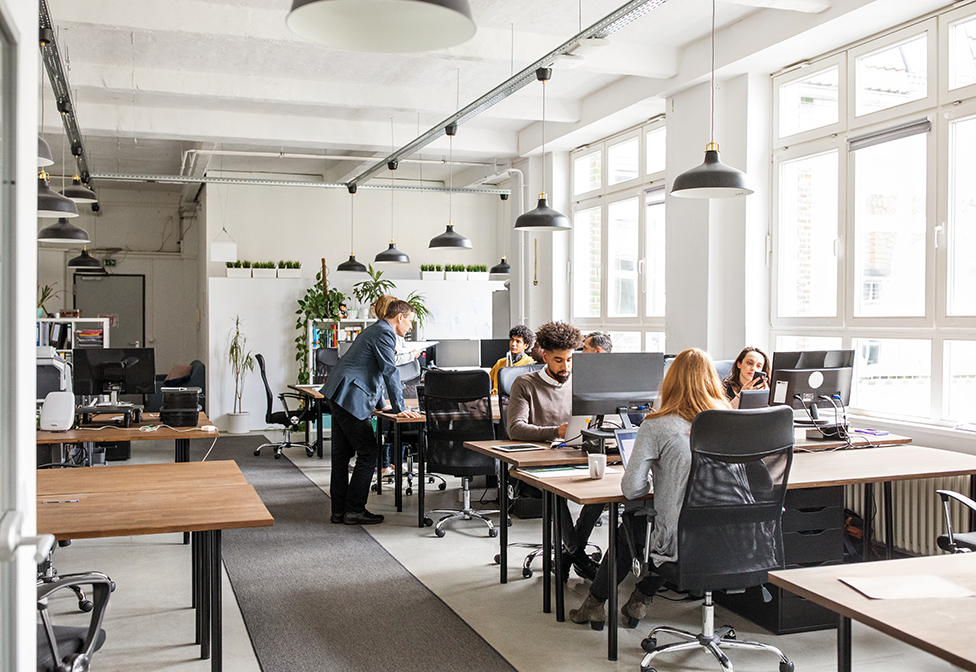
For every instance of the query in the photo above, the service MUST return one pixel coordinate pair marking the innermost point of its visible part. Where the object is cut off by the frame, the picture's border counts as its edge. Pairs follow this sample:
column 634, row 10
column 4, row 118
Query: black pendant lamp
column 78, row 192
column 381, row 25
column 50, row 203
column 450, row 238
column 63, row 231
column 392, row 255
column 352, row 266
column 543, row 217
column 712, row 179
column 501, row 267
column 44, row 156
column 86, row 264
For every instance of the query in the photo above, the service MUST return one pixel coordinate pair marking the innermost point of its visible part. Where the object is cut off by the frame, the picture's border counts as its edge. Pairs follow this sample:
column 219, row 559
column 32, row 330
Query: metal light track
column 185, row 179
column 58, row 76
column 605, row 27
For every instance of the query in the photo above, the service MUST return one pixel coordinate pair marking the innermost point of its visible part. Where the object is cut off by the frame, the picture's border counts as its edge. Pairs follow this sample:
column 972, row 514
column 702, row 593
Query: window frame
column 840, row 62
column 947, row 95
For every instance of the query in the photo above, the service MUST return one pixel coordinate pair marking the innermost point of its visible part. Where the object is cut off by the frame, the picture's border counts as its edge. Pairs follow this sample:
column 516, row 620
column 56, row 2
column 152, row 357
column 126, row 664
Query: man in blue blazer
column 354, row 388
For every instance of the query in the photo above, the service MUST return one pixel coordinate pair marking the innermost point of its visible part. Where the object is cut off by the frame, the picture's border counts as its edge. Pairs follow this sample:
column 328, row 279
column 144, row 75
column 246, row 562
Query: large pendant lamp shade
column 450, row 238
column 543, row 217
column 352, row 266
column 78, row 192
column 385, row 26
column 63, row 231
column 392, row 255
column 86, row 264
column 51, row 203
column 44, row 156
column 711, row 179
column 502, row 267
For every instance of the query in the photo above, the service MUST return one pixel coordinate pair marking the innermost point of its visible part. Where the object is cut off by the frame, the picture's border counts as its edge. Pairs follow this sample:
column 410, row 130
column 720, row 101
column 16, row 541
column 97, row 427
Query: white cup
column 598, row 464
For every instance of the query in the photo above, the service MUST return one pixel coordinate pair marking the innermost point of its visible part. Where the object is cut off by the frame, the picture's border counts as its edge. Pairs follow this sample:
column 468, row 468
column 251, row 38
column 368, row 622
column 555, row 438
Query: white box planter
column 263, row 272
column 478, row 275
column 289, row 272
column 432, row 275
column 455, row 275
column 238, row 272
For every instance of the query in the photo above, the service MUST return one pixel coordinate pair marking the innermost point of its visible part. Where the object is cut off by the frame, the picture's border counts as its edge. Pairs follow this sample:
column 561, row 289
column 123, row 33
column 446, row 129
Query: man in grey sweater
column 539, row 409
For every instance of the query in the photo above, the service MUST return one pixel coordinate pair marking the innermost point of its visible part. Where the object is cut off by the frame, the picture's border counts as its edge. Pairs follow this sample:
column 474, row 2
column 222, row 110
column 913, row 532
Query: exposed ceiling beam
column 805, row 6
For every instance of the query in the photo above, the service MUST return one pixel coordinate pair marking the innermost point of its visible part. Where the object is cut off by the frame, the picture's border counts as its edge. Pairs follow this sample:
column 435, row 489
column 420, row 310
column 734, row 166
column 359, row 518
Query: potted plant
column 45, row 294
column 263, row 269
column 236, row 269
column 289, row 269
column 477, row 272
column 315, row 306
column 455, row 272
column 431, row 272
column 419, row 305
column 241, row 362
column 368, row 291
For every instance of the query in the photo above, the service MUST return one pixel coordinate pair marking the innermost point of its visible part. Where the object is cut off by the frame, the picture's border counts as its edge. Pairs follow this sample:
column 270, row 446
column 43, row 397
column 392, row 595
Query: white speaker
column 58, row 412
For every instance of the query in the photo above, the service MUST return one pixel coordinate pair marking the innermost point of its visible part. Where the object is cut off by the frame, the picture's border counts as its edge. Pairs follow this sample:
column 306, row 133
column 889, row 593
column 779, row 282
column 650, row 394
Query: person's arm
column 636, row 481
column 493, row 374
column 519, row 428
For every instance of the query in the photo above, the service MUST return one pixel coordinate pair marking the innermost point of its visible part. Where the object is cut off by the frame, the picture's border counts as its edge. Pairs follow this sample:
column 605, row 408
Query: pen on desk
column 60, row 501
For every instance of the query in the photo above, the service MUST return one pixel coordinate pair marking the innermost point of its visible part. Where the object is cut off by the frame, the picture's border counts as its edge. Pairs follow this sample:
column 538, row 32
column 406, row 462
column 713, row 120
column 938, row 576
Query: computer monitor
column 99, row 371
column 457, row 352
column 493, row 349
column 801, row 380
column 603, row 382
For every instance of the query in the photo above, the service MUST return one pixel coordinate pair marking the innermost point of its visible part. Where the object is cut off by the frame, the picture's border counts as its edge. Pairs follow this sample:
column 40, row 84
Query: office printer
column 53, row 372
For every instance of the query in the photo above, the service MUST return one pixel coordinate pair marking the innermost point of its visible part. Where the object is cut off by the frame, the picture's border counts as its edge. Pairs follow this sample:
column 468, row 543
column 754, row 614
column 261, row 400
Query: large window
column 617, row 271
column 875, row 217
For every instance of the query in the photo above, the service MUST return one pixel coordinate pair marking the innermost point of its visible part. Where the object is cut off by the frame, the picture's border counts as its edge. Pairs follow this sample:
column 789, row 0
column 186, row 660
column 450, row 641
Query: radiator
column 918, row 514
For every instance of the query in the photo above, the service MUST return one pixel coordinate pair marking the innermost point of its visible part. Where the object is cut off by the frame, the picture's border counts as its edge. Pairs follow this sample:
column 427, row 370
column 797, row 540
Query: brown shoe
column 635, row 609
column 591, row 611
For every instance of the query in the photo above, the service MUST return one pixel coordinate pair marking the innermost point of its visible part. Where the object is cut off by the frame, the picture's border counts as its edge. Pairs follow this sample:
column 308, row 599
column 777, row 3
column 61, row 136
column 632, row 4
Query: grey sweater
column 661, row 462
column 537, row 407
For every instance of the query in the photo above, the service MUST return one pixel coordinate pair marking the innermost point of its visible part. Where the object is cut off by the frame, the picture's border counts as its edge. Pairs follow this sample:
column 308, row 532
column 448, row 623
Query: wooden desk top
column 413, row 403
column 859, row 440
column 943, row 627
column 146, row 476
column 308, row 390
column 133, row 433
column 580, row 488
column 549, row 457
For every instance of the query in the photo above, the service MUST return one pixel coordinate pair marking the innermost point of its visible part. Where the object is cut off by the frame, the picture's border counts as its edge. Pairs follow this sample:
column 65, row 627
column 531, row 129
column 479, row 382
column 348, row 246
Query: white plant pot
column 477, row 275
column 432, row 275
column 239, row 423
column 289, row 273
column 263, row 272
column 455, row 275
column 238, row 272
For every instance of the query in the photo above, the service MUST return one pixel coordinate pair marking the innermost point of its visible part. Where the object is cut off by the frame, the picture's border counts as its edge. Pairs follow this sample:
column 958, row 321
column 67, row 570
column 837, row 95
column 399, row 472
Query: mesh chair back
column 730, row 529
column 458, row 409
column 723, row 367
column 409, row 378
column 507, row 376
column 267, row 388
column 325, row 360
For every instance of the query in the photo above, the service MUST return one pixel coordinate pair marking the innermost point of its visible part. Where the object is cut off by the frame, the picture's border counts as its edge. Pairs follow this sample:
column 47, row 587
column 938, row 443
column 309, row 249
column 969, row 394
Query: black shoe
column 336, row 519
column 363, row 517
column 584, row 565
column 567, row 563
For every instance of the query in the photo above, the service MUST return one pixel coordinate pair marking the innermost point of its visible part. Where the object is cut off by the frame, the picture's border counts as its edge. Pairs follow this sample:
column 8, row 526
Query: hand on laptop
column 561, row 432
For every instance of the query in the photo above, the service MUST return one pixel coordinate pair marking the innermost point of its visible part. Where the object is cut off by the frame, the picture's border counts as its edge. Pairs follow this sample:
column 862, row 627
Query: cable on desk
column 210, row 449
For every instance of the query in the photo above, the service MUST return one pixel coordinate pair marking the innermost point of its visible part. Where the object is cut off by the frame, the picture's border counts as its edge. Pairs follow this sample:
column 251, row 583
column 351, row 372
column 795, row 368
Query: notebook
column 625, row 442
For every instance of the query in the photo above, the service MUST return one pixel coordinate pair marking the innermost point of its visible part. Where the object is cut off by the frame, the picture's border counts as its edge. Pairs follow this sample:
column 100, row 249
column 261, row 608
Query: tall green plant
column 315, row 305
column 419, row 305
column 241, row 362
column 368, row 291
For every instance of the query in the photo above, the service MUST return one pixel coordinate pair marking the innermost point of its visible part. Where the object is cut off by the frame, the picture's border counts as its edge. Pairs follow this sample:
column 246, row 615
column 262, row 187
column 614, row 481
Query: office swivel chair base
column 537, row 550
column 287, row 443
column 465, row 513
column 710, row 639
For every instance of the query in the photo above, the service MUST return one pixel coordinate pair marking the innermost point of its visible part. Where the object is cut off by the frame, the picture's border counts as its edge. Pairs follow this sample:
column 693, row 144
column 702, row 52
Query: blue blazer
column 357, row 381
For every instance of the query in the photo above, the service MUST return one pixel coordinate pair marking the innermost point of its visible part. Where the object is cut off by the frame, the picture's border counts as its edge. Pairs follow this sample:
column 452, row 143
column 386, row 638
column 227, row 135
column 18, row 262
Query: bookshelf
column 332, row 334
column 67, row 333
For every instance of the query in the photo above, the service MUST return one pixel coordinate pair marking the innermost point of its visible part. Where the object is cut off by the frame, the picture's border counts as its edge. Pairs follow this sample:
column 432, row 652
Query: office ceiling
column 153, row 80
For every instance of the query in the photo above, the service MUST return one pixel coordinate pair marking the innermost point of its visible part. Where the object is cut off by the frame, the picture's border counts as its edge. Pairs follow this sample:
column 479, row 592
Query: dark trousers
column 576, row 536
column 351, row 436
column 648, row 584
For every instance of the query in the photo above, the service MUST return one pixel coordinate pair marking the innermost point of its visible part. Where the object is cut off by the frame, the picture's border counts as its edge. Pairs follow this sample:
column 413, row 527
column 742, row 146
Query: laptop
column 753, row 399
column 625, row 442
column 574, row 431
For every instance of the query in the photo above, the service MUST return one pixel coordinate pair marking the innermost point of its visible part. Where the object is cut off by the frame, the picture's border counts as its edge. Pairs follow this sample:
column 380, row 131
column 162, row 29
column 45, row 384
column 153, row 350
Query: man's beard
column 560, row 377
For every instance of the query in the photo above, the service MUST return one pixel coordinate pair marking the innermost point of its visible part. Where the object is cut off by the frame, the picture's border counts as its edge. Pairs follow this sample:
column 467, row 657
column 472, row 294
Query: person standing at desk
column 662, row 455
column 402, row 354
column 520, row 339
column 354, row 388
column 539, row 410
column 742, row 376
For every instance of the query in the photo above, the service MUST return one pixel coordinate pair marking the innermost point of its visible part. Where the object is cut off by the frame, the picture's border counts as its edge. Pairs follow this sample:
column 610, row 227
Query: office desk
column 180, row 435
column 199, row 497
column 801, row 443
column 311, row 392
column 943, row 627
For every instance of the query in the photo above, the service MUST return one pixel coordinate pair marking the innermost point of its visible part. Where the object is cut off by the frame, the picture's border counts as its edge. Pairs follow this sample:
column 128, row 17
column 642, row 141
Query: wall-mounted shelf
column 67, row 333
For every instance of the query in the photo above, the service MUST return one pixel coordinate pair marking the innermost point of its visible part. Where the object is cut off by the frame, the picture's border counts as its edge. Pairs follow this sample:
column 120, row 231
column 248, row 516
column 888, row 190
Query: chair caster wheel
column 85, row 605
column 509, row 521
column 442, row 486
column 409, row 491
column 648, row 669
column 440, row 532
column 492, row 533
column 257, row 452
column 277, row 456
column 649, row 644
column 428, row 522
column 498, row 559
column 731, row 635
column 372, row 488
column 786, row 667
column 526, row 572
column 309, row 452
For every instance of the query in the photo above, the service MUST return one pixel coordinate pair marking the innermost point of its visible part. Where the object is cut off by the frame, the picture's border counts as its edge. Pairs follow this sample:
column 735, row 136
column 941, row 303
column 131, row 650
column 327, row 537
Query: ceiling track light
column 711, row 179
column 352, row 266
column 543, row 218
column 391, row 255
column 383, row 26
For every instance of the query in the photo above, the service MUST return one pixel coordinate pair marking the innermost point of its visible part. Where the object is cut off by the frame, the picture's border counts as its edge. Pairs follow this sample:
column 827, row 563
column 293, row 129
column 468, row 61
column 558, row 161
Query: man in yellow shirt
column 520, row 339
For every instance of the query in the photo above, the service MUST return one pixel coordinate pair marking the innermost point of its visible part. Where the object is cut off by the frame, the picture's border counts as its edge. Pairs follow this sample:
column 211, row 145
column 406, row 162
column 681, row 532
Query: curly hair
column 558, row 336
column 522, row 332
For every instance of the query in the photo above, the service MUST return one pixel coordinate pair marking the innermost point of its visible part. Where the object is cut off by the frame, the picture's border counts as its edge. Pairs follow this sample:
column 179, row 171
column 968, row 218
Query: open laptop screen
column 625, row 443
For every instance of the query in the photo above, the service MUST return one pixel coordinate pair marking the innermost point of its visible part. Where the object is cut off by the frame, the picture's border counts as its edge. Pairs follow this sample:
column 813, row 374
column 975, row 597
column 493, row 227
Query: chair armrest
column 946, row 494
column 101, row 588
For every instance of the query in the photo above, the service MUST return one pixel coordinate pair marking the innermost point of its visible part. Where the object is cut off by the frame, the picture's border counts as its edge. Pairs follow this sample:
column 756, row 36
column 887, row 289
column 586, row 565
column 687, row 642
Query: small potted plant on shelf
column 241, row 362
column 455, row 272
column 477, row 272
column 45, row 294
column 263, row 269
column 431, row 272
column 289, row 269
column 236, row 269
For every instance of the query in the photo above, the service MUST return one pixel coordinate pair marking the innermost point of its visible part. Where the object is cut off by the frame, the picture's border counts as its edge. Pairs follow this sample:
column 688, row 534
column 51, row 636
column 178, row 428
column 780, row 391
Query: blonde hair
column 378, row 309
column 691, row 386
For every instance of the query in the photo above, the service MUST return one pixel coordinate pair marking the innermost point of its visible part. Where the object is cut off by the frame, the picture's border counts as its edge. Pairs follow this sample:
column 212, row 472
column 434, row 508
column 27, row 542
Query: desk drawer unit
column 813, row 534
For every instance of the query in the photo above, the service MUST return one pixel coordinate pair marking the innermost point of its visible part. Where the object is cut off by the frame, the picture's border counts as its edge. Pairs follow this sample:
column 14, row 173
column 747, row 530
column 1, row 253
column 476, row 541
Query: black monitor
column 605, row 381
column 801, row 380
column 449, row 353
column 493, row 349
column 98, row 371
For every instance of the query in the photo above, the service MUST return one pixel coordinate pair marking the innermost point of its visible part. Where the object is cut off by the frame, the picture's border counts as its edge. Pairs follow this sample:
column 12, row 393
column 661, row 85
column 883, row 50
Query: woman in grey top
column 661, row 460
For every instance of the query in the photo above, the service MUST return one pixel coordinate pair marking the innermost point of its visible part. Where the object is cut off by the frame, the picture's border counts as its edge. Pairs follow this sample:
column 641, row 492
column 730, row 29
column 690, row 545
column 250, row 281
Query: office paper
column 909, row 586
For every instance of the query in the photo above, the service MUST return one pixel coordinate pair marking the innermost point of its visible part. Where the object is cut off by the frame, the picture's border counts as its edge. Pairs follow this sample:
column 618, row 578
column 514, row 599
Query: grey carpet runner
column 317, row 596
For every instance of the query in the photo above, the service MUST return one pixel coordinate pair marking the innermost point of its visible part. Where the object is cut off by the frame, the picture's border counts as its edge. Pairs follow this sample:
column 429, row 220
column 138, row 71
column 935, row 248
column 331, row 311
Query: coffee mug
column 598, row 464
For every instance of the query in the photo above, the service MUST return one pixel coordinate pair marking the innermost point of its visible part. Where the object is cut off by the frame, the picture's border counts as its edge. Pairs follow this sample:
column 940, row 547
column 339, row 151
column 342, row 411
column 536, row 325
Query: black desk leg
column 546, row 552
column 379, row 455
column 557, row 547
column 889, row 515
column 421, row 479
column 183, row 455
column 868, row 519
column 612, row 600
column 503, row 521
column 196, row 564
column 320, row 426
column 843, row 644
column 972, row 495
column 396, row 451
column 206, row 579
column 216, row 604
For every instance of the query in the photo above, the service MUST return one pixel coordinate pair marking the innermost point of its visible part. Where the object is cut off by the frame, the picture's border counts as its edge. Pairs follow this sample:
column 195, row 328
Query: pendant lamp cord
column 352, row 225
column 392, row 151
column 711, row 92
column 543, row 135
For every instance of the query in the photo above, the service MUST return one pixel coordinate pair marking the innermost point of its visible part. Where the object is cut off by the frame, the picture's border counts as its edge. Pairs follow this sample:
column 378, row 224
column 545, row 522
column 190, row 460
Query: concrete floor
column 150, row 623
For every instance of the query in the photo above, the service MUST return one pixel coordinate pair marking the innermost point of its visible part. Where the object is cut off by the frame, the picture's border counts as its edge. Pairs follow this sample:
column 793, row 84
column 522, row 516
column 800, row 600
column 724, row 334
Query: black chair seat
column 70, row 640
column 964, row 540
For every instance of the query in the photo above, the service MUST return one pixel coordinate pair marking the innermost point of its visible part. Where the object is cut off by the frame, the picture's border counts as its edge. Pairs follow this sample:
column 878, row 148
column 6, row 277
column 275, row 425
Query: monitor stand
column 130, row 413
column 595, row 437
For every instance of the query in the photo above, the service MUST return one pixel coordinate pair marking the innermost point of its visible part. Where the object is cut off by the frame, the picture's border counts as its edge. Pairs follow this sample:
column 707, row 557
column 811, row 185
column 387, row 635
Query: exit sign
column 110, row 262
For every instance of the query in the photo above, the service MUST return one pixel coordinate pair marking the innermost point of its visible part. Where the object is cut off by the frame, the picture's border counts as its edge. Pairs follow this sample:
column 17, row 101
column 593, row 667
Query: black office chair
column 956, row 542
column 64, row 648
column 507, row 376
column 730, row 531
column 288, row 419
column 325, row 361
column 458, row 409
